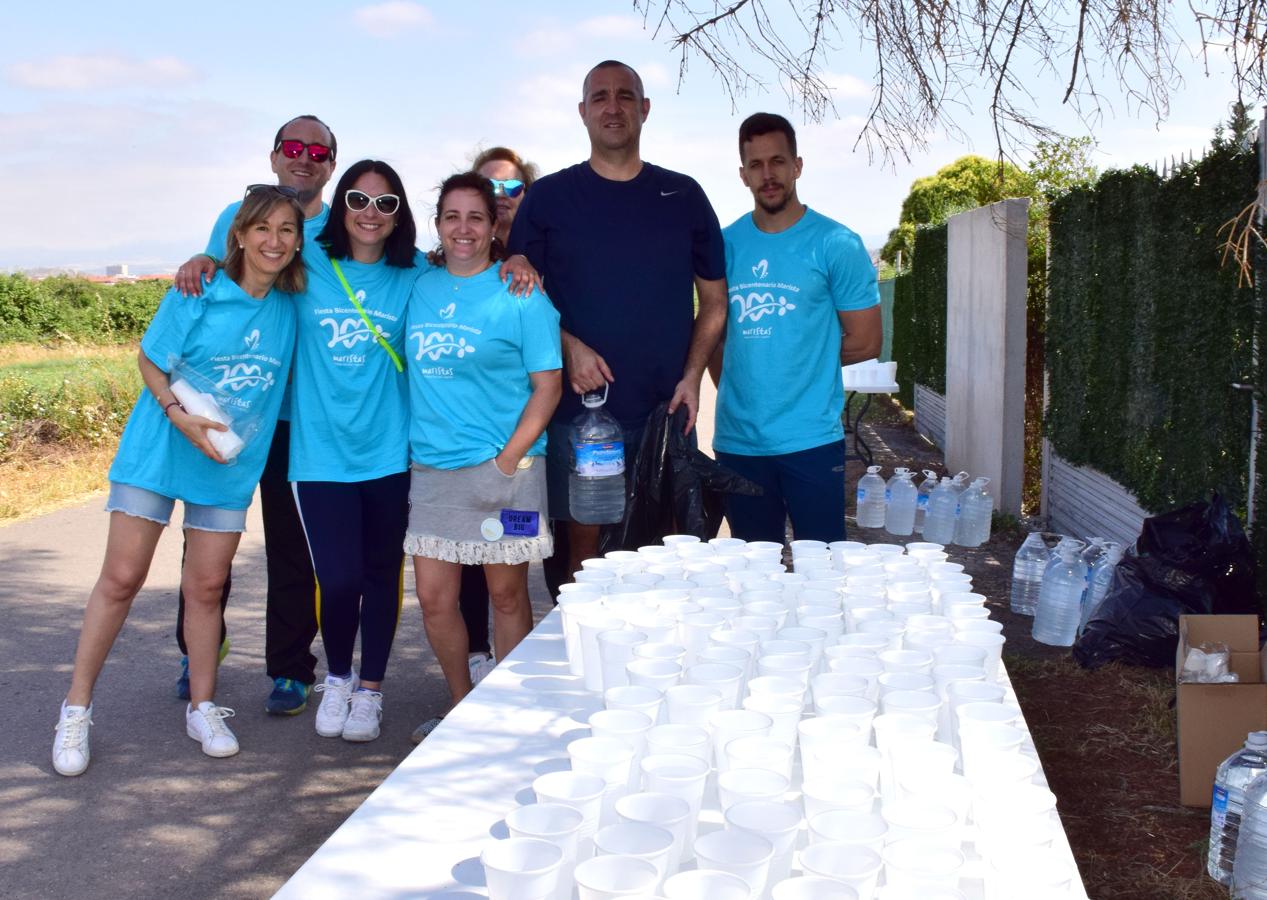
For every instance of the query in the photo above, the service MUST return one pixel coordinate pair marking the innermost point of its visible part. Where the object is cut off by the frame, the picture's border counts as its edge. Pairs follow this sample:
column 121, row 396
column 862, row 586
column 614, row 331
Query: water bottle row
column 945, row 512
column 1238, row 821
column 1060, row 581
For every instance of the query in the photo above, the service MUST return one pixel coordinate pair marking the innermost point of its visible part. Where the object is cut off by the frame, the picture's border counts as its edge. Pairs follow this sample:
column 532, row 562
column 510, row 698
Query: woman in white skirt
column 484, row 378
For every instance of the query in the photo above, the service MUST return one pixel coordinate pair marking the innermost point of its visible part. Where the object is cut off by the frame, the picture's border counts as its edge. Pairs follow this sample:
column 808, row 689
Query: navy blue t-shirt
column 619, row 260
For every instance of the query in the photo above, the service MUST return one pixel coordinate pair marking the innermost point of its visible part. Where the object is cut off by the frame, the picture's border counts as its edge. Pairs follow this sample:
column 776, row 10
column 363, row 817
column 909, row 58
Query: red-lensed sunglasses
column 295, row 149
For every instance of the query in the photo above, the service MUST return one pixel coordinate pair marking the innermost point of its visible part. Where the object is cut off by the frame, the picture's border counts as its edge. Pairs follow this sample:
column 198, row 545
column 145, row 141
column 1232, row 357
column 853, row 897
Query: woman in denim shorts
column 485, row 374
column 233, row 346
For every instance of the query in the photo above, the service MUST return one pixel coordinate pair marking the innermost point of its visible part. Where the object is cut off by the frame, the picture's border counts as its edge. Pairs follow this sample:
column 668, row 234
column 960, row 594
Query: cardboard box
column 1214, row 718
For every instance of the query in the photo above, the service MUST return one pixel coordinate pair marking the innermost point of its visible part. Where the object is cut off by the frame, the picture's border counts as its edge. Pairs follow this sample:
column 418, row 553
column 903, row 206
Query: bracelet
column 170, row 405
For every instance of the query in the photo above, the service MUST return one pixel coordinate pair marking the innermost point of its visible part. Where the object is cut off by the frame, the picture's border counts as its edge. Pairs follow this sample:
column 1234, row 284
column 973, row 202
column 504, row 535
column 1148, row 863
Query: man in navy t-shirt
column 623, row 247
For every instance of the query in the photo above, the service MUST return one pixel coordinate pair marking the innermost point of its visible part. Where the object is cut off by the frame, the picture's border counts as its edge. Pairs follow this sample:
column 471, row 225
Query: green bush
column 919, row 316
column 66, row 308
column 88, row 406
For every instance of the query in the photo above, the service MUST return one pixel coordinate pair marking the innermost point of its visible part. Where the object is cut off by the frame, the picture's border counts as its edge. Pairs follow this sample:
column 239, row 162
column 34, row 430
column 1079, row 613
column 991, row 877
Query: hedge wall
column 919, row 316
column 1146, row 331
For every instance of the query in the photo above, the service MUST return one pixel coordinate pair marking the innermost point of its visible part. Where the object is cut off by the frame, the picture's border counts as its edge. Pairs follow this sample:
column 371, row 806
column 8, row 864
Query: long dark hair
column 399, row 248
column 468, row 181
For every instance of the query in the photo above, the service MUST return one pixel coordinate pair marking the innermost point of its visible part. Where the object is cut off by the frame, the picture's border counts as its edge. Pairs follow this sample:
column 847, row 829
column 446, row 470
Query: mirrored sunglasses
column 510, row 187
column 294, row 149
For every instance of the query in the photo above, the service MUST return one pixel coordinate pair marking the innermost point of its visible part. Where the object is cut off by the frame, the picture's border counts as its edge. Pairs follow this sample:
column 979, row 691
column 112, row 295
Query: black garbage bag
column 675, row 488
column 1193, row 560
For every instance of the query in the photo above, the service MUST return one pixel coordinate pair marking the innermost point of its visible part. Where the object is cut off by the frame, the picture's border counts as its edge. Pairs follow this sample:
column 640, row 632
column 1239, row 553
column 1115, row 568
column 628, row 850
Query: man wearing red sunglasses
column 303, row 159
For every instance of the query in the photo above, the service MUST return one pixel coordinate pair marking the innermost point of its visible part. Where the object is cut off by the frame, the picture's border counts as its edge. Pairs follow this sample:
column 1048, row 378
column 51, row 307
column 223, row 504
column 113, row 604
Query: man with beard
column 803, row 302
column 303, row 157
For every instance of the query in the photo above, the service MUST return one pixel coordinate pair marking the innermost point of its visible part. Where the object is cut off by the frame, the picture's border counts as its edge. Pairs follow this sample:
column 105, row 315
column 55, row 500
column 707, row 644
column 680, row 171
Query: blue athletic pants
column 807, row 486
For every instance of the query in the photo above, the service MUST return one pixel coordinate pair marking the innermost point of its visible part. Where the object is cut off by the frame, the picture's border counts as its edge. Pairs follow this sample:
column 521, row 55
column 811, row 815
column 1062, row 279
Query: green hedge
column 61, row 308
column 1146, row 331
column 919, row 316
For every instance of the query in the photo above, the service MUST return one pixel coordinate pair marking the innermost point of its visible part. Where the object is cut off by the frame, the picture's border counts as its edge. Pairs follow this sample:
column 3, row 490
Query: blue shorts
column 145, row 504
column 807, row 486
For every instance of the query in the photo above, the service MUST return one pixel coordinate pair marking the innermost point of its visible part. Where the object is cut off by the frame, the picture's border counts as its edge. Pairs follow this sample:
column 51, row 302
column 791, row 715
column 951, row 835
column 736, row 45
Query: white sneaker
column 365, row 711
column 206, row 725
column 480, row 665
column 332, row 714
column 70, row 745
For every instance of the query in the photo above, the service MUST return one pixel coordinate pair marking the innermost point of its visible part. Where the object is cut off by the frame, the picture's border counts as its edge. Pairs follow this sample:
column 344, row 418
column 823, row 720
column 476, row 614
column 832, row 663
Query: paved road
column 152, row 816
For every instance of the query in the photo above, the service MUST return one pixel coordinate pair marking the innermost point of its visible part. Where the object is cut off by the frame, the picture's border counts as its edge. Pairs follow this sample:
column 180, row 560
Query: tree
column 927, row 57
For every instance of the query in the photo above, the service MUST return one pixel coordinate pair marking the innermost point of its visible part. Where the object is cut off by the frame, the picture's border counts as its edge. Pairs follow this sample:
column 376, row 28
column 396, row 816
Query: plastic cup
column 795, row 667
column 1033, row 872
column 779, row 823
column 855, row 865
column 925, row 757
column 831, row 622
column 983, row 743
column 778, row 685
column 857, row 710
column 949, row 790
column 875, row 643
column 611, row 761
column 742, row 785
column 662, row 810
column 816, row 638
column 777, row 646
column 556, row 823
column 581, row 791
column 602, row 577
column 574, row 606
column 740, row 853
column 987, row 626
column 891, row 630
column 971, row 714
column 706, row 884
column 694, row 629
column 922, row 865
column 869, row 668
column 846, row 826
column 725, row 678
column 916, row 703
column 635, row 697
column 679, row 776
column 907, row 661
column 999, row 810
column 1015, row 769
column 521, row 869
column 991, row 643
column 784, row 714
column 729, row 724
column 639, row 840
column 691, row 704
column 862, row 763
column 657, row 674
column 823, row 733
column 825, row 792
column 592, row 664
column 769, row 605
column 893, row 730
column 960, row 654
column 905, row 681
column 627, row 726
column 919, row 818
column 605, row 877
column 689, row 740
column 812, row 887
column 756, row 752
column 833, row 683
column 657, row 552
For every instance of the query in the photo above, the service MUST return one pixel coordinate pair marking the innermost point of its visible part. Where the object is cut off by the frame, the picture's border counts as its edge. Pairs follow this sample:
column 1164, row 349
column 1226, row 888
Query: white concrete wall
column 985, row 347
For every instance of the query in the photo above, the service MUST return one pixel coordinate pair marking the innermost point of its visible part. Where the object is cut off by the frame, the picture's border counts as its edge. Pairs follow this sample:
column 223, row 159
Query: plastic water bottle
column 1098, row 579
column 871, row 499
column 899, row 515
column 976, row 507
column 1060, row 598
column 597, row 482
column 939, row 524
column 921, row 503
column 1027, row 573
column 1231, row 780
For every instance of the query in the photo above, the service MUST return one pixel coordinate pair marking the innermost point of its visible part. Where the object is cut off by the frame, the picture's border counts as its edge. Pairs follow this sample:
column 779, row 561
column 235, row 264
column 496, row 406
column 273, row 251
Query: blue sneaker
column 289, row 697
column 182, row 683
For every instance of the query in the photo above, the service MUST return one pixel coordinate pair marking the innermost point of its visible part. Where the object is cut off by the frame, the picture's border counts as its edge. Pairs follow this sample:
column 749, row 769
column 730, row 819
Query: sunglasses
column 288, row 192
column 294, row 149
column 511, row 187
column 387, row 204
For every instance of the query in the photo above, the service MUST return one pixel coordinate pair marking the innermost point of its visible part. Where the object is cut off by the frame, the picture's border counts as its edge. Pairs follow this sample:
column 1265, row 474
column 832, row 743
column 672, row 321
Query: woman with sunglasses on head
column 349, row 457
column 510, row 175
column 239, row 334
column 485, row 376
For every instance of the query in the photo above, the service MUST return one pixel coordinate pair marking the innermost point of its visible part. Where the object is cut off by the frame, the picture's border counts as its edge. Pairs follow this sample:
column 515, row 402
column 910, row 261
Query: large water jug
column 943, row 504
column 921, row 503
column 1231, row 780
column 1060, row 597
column 597, row 480
column 1099, row 576
column 871, row 499
column 903, row 496
column 1249, row 867
column 1027, row 571
column 976, row 508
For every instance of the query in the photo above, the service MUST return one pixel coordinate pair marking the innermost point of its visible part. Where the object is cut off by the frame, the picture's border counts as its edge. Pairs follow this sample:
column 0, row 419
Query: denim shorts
column 145, row 504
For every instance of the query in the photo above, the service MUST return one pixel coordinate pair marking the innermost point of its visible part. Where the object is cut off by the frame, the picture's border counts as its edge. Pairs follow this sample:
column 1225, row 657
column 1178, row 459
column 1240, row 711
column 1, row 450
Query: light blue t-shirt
column 781, row 388
column 218, row 248
column 241, row 344
column 472, row 345
column 349, row 417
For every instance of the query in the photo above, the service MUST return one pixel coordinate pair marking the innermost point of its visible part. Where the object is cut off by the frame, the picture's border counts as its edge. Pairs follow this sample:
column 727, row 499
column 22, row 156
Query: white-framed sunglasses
column 387, row 204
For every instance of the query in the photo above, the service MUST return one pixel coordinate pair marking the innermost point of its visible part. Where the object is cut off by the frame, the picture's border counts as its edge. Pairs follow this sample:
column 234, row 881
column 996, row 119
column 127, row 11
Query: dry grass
column 46, row 478
column 19, row 354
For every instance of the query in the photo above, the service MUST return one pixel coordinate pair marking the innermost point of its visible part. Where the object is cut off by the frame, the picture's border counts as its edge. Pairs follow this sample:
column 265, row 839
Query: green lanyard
column 364, row 318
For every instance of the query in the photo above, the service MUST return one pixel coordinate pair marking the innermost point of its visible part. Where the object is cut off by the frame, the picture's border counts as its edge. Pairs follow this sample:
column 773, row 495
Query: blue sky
column 125, row 129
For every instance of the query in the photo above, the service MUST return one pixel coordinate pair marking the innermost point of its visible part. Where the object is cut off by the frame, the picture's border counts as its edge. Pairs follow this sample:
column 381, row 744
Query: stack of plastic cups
column 943, row 677
column 960, row 692
column 590, row 627
column 554, row 822
column 521, row 868
column 891, row 731
column 574, row 606
column 615, row 651
column 679, row 776
column 993, row 646
column 582, row 792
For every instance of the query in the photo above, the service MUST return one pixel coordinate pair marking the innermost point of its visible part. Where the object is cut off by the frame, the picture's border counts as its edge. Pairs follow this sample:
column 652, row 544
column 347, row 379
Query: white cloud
column 387, row 20
column 97, row 71
column 847, row 87
column 552, row 38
